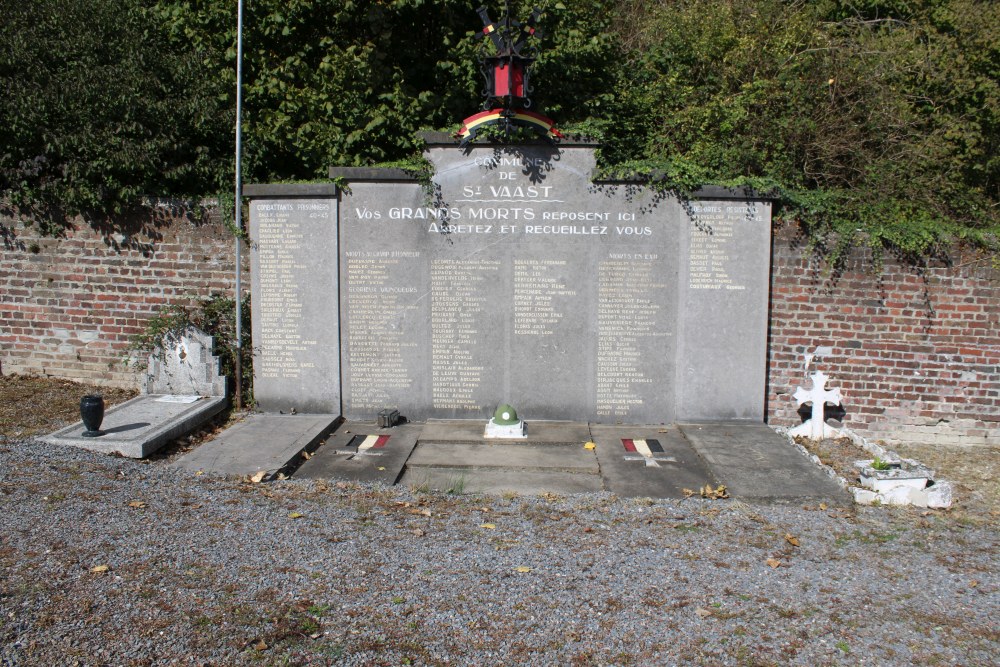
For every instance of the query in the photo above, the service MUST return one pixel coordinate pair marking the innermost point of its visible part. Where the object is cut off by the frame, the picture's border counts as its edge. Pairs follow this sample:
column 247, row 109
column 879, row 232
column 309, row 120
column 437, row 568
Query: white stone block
column 897, row 496
column 939, row 495
column 887, row 485
column 864, row 496
column 518, row 430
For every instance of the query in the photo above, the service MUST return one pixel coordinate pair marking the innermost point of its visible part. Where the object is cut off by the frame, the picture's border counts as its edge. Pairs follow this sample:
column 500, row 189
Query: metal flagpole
column 238, row 205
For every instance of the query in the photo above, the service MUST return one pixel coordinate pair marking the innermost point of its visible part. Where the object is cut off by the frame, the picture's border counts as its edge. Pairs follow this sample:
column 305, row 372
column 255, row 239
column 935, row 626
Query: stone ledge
column 265, row 190
column 376, row 174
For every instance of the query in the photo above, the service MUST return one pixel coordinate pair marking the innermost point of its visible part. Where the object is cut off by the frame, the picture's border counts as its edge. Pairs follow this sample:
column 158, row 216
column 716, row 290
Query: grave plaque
column 294, row 284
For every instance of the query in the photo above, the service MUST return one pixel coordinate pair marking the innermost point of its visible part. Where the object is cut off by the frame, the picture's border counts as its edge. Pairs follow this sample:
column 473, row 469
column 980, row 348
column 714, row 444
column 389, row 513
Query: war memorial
column 512, row 277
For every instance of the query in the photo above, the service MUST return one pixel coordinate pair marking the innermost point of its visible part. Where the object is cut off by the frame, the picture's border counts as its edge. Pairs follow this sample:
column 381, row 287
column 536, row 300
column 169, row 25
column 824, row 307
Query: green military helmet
column 505, row 415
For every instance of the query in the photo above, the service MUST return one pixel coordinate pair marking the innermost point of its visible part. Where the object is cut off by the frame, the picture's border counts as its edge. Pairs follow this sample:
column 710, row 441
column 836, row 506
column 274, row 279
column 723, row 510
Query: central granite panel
column 510, row 278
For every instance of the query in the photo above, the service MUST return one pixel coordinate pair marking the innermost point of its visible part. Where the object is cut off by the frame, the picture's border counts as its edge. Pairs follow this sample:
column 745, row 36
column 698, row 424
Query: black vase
column 92, row 414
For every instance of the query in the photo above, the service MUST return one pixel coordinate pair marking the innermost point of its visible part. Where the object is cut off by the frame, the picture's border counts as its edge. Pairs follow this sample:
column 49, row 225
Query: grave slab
column 139, row 427
column 350, row 454
column 755, row 463
column 262, row 442
column 500, row 481
column 514, row 456
column 551, row 432
column 182, row 390
column 628, row 474
column 525, row 468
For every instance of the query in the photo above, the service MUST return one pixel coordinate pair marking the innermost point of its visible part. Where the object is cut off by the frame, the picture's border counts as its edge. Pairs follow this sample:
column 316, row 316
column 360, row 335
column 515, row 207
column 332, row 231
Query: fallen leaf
column 522, row 569
column 590, row 445
column 687, row 493
column 822, row 506
column 714, row 494
column 773, row 562
column 258, row 477
column 282, row 476
column 974, row 583
column 200, row 472
column 702, row 612
column 295, row 515
column 381, row 467
column 261, row 645
column 488, row 526
column 97, row 569
column 421, row 512
column 664, row 430
column 306, row 455
column 418, row 532
column 137, row 504
column 791, row 539
column 588, row 529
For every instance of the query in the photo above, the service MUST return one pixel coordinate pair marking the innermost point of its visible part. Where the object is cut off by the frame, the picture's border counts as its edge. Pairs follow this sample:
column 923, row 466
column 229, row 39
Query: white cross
column 819, row 396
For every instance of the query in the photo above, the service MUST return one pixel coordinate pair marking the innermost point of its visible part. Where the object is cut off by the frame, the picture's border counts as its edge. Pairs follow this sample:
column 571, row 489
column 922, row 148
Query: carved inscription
column 284, row 353
column 540, row 296
column 711, row 265
column 458, row 304
column 378, row 347
column 629, row 299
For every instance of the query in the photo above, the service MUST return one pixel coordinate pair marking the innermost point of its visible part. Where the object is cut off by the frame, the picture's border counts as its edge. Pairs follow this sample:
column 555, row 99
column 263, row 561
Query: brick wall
column 916, row 351
column 68, row 306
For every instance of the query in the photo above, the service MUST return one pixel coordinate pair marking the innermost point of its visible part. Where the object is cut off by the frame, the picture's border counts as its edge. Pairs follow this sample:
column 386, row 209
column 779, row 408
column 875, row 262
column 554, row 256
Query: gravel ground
column 110, row 561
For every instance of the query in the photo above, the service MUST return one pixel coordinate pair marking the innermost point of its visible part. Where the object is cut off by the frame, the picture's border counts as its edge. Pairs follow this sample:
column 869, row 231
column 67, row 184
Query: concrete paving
column 464, row 430
column 261, row 442
column 505, row 466
column 139, row 427
column 656, row 461
column 755, row 463
column 499, row 481
column 342, row 457
column 661, row 475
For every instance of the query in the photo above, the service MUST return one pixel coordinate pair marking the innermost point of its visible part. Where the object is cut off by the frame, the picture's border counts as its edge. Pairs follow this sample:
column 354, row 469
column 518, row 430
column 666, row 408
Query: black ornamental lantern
column 508, row 50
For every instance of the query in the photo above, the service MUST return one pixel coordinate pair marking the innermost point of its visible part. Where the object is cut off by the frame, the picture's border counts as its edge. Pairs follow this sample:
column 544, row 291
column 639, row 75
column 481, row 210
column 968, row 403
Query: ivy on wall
column 871, row 121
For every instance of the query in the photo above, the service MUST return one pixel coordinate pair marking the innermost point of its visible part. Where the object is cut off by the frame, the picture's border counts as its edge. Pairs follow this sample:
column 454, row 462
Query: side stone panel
column 295, row 287
column 724, row 287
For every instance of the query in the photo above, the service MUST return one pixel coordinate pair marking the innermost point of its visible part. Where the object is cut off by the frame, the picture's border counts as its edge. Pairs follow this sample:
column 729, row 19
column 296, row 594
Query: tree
column 99, row 108
column 873, row 121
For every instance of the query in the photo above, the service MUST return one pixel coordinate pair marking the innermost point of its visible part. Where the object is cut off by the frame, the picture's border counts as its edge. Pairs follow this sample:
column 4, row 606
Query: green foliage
column 879, row 464
column 872, row 121
column 97, row 110
column 215, row 316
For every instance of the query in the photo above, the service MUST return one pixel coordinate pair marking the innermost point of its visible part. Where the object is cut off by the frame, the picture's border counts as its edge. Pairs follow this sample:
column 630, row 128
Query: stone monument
column 512, row 273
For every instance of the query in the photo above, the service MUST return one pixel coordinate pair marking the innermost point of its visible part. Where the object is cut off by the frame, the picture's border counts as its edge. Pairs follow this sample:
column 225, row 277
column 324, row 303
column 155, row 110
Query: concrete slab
column 538, row 431
column 265, row 442
column 630, row 475
column 342, row 457
column 512, row 455
column 139, row 427
column 525, row 468
column 755, row 463
column 500, row 481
